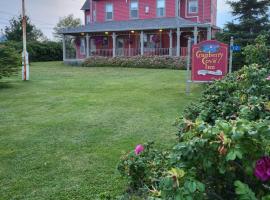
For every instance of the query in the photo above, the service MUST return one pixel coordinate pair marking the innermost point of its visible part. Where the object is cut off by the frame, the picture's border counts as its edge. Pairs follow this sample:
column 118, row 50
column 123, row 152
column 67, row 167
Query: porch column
column 64, row 47
column 195, row 33
column 87, row 45
column 114, row 44
column 209, row 33
column 142, row 43
column 178, row 45
column 171, row 43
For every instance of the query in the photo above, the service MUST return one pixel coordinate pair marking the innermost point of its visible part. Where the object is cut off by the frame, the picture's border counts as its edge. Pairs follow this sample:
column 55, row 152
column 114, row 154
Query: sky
column 46, row 13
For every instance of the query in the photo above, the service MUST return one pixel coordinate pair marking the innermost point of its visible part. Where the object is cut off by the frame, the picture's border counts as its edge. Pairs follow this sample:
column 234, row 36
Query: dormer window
column 193, row 6
column 109, row 11
column 160, row 8
column 134, row 7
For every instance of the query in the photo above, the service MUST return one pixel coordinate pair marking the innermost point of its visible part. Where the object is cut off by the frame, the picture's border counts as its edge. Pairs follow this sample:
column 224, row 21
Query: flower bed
column 223, row 146
column 154, row 62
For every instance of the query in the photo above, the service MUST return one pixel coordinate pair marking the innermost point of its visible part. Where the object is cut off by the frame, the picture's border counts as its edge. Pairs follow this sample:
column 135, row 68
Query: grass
column 62, row 133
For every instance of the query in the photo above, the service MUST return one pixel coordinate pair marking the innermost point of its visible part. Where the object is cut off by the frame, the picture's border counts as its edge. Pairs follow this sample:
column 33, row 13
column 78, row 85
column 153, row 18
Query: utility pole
column 25, row 61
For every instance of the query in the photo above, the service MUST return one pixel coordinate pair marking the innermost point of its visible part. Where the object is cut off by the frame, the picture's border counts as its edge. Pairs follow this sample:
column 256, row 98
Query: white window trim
column 164, row 9
column 106, row 12
column 188, row 7
column 131, row 10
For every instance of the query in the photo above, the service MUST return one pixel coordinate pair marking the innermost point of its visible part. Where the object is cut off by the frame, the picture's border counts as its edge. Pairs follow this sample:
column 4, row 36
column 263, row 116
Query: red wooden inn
column 139, row 27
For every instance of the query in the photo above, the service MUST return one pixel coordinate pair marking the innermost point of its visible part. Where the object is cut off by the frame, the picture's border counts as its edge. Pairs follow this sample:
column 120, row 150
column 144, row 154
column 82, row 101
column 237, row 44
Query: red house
column 139, row 27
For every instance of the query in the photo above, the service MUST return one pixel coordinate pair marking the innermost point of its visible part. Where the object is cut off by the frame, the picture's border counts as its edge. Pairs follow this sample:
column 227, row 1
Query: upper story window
column 193, row 6
column 134, row 7
column 109, row 11
column 160, row 8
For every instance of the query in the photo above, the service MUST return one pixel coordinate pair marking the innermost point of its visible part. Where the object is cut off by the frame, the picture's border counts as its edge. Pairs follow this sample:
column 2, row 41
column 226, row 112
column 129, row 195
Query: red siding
column 122, row 12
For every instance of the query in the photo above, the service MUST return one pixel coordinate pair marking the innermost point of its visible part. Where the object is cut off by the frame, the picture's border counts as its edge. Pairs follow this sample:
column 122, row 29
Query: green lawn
column 62, row 133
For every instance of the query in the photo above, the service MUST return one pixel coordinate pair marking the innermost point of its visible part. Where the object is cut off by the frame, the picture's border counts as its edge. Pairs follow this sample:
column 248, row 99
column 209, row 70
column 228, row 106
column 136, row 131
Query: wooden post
column 87, row 46
column 25, row 62
column 209, row 33
column 195, row 32
column 188, row 66
column 171, row 43
column 114, row 44
column 178, row 45
column 231, row 55
column 142, row 43
column 64, row 47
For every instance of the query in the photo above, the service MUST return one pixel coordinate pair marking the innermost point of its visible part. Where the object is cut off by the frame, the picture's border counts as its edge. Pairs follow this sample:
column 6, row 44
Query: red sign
column 209, row 61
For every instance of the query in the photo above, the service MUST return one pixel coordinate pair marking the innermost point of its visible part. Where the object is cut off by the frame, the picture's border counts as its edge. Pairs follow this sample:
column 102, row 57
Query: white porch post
column 178, row 45
column 64, row 47
column 114, row 44
column 209, row 33
column 87, row 45
column 195, row 33
column 171, row 43
column 142, row 43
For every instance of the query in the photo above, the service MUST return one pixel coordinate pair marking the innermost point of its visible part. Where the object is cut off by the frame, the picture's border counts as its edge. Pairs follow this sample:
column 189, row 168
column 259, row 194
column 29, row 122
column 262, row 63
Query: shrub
column 155, row 62
column 40, row 51
column 9, row 61
column 223, row 150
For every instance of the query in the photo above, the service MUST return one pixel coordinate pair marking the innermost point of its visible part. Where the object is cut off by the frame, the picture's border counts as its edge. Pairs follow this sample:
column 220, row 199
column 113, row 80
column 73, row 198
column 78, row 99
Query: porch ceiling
column 139, row 24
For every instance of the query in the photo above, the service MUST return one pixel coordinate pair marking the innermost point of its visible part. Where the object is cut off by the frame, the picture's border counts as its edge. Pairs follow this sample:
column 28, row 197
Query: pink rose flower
column 268, row 78
column 262, row 170
column 139, row 148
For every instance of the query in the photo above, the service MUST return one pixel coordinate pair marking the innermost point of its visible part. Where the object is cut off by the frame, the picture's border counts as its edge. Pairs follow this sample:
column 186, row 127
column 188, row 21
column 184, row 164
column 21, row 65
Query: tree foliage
column 9, row 61
column 13, row 31
column 251, row 20
column 66, row 22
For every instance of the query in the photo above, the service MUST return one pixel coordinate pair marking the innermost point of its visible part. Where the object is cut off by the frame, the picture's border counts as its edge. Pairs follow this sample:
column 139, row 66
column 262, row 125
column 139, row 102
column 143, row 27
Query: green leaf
column 191, row 186
column 233, row 154
column 243, row 191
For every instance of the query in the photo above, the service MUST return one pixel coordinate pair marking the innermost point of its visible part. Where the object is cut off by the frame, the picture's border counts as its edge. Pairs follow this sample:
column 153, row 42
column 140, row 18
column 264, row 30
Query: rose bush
column 223, row 145
column 153, row 62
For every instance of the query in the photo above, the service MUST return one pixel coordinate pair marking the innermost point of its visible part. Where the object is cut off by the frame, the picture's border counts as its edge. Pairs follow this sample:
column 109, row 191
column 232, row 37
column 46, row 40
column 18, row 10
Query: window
column 109, row 11
column 160, row 8
column 193, row 6
column 94, row 15
column 134, row 8
column 82, row 47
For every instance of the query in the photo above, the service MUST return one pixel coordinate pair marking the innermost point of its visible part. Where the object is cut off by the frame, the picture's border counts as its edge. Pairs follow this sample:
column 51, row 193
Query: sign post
column 188, row 66
column 231, row 55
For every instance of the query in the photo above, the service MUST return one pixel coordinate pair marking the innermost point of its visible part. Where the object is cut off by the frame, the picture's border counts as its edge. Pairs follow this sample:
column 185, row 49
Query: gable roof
column 86, row 5
column 138, row 24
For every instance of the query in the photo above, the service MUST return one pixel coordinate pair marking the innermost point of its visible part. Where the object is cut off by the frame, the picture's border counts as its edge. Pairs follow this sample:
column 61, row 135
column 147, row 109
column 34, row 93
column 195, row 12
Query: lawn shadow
column 6, row 85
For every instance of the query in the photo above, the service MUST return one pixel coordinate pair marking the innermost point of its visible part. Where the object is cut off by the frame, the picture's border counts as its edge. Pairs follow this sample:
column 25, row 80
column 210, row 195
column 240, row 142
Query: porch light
column 160, row 30
column 106, row 33
column 82, row 34
column 132, row 31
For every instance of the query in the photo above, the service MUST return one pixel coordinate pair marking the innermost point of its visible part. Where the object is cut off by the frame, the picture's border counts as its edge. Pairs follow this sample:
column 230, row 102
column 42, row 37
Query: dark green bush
column 40, row 51
column 154, row 62
column 9, row 61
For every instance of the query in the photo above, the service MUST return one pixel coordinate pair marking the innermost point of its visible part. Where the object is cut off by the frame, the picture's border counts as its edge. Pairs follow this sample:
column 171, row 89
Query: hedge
column 152, row 62
column 40, row 51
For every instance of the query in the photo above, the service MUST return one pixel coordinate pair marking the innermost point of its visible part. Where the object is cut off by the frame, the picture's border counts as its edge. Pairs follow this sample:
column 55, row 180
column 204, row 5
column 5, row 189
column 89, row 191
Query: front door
column 120, row 47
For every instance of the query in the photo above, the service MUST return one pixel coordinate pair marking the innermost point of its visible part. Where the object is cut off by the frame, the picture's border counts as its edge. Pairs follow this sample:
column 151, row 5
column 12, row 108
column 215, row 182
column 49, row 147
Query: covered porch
column 162, row 37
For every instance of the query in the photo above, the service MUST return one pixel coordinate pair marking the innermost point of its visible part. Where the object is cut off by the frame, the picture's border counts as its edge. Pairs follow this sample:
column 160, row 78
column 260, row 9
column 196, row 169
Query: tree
column 9, row 61
column 252, row 20
column 13, row 32
column 66, row 22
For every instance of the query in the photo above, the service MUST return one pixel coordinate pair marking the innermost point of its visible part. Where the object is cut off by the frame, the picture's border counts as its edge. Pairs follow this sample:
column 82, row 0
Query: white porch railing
column 156, row 51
